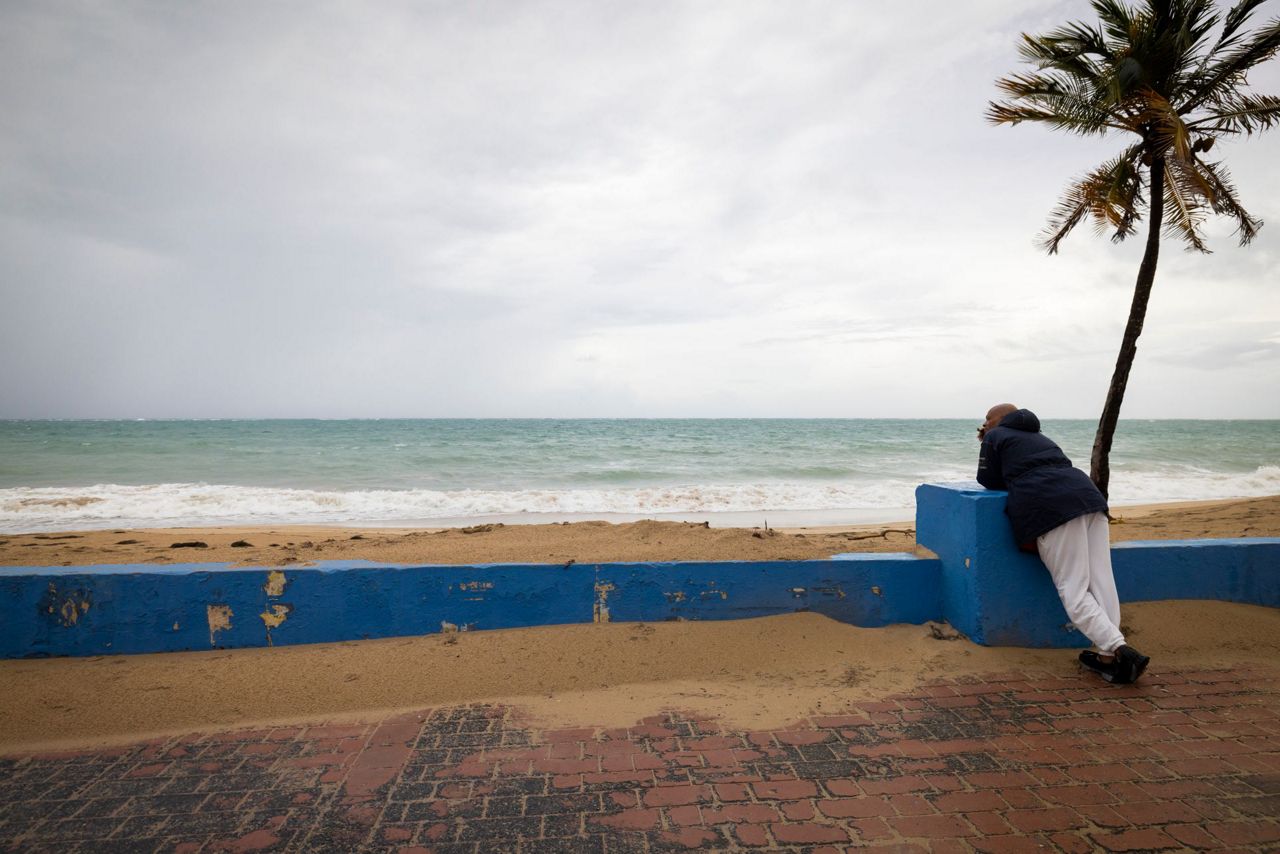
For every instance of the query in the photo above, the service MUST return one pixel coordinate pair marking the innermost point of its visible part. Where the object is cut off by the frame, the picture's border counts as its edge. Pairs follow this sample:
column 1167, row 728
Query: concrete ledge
column 130, row 609
column 874, row 590
column 142, row 608
column 1236, row 570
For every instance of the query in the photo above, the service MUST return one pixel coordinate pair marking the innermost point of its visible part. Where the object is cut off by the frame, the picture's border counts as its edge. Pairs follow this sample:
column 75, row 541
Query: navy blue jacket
column 1044, row 489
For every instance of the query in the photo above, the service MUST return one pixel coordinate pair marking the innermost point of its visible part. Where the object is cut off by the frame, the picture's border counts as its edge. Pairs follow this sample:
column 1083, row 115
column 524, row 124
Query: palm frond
column 1196, row 180
column 1122, row 205
column 1068, row 62
column 1224, row 38
column 1042, row 83
column 1165, row 129
column 1071, row 209
column 1075, row 48
column 1008, row 114
column 1077, row 38
column 1229, row 68
column 1111, row 194
column 1054, row 99
column 1199, row 25
column 1117, row 21
column 1238, row 112
column 1184, row 205
column 1260, row 45
column 1234, row 20
column 1225, row 200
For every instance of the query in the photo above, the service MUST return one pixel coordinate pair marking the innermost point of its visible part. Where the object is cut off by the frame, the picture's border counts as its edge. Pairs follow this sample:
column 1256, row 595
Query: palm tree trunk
column 1100, row 464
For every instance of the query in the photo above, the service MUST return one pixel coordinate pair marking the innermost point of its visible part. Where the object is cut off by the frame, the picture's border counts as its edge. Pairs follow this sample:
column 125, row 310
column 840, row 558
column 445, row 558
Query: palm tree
column 1156, row 71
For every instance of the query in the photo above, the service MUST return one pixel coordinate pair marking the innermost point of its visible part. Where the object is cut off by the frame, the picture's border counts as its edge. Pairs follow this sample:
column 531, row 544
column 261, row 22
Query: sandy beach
column 751, row 673
column 582, row 542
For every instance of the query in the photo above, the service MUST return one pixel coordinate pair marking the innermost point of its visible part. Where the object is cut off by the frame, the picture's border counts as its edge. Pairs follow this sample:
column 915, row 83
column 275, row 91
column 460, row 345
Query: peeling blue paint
column 145, row 608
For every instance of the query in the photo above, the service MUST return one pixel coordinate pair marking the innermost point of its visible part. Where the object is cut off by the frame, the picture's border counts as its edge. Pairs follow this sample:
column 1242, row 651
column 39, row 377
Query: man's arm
column 989, row 474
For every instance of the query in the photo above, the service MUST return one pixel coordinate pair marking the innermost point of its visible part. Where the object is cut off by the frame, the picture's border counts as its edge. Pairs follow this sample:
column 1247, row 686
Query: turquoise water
column 69, row 474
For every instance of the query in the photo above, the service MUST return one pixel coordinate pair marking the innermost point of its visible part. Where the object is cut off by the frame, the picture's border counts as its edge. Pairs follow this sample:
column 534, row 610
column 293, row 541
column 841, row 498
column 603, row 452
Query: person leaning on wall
column 1056, row 510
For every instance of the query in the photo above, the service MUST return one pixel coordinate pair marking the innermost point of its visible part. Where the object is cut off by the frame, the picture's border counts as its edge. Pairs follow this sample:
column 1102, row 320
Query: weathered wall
column 131, row 609
column 877, row 591
column 980, row 583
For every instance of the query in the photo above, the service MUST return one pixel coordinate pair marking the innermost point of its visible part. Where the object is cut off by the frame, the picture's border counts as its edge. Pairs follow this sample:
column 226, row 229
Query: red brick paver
column 1040, row 762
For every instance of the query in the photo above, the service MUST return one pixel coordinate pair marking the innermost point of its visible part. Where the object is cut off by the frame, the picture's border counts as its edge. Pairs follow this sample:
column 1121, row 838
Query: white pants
column 1078, row 555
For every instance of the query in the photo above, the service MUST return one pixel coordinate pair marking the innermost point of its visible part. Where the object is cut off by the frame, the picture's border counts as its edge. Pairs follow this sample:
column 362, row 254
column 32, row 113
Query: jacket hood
column 1023, row 419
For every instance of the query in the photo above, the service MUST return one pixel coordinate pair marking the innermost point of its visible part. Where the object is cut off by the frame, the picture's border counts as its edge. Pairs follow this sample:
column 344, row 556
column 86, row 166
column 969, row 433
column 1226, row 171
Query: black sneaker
column 1131, row 665
column 1108, row 670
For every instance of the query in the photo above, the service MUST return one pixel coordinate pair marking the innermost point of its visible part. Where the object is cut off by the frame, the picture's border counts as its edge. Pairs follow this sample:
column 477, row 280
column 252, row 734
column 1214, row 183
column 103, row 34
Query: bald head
column 994, row 415
column 1000, row 410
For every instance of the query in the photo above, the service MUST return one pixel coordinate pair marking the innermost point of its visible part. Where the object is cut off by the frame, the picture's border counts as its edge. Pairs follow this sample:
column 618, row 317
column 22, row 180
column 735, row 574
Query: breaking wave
column 196, row 504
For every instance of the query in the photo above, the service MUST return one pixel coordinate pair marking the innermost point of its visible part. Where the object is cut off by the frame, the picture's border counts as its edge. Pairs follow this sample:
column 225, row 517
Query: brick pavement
column 1185, row 760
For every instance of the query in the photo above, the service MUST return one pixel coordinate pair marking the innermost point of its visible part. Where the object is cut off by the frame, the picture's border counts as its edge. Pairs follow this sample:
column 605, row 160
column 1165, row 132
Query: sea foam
column 196, row 504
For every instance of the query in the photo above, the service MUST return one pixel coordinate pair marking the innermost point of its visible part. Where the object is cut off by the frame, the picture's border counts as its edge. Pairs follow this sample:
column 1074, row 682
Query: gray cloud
column 569, row 209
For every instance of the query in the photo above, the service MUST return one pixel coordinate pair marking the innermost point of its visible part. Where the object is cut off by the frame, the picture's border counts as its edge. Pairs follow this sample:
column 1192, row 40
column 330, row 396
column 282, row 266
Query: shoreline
column 838, row 519
column 780, row 519
column 585, row 541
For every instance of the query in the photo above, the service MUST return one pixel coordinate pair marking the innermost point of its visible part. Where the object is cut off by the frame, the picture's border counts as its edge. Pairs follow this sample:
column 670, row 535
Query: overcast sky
column 397, row 209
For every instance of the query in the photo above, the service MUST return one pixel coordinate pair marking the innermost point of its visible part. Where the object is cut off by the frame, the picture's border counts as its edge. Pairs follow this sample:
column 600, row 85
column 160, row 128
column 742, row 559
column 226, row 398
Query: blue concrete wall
column 994, row 593
column 1236, row 570
column 980, row 583
column 873, row 590
column 999, row 596
column 132, row 609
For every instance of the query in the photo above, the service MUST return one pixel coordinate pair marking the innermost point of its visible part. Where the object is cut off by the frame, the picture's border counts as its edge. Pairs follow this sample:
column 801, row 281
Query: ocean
column 66, row 475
